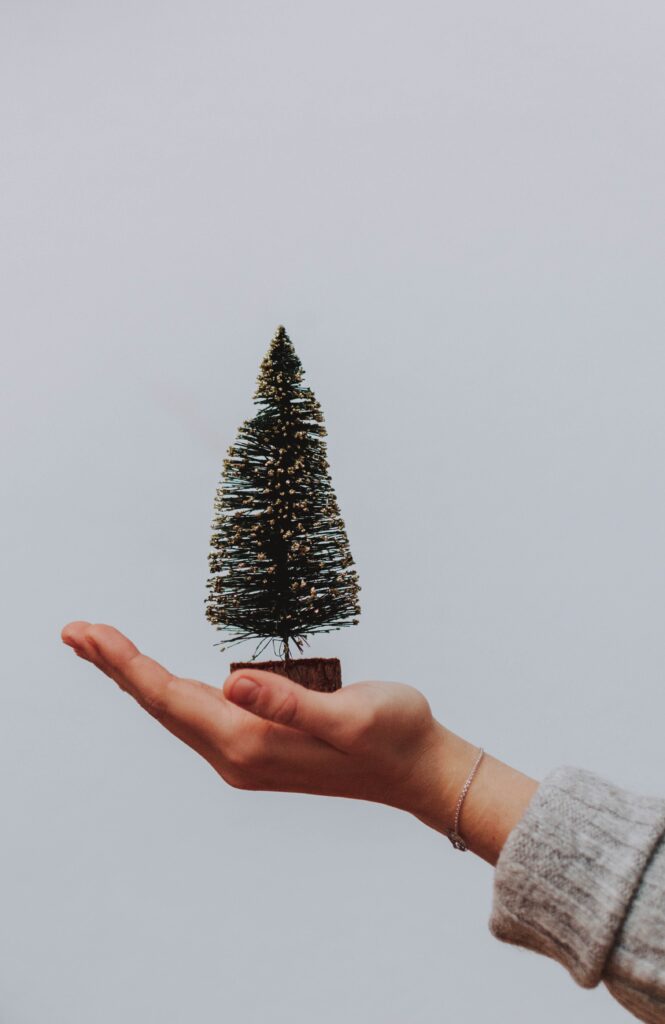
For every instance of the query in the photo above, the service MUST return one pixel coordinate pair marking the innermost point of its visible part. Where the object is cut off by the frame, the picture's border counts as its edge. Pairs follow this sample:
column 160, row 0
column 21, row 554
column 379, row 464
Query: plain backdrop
column 458, row 212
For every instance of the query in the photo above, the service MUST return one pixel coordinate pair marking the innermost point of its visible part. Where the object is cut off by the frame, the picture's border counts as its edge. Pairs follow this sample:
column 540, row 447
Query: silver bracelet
column 453, row 833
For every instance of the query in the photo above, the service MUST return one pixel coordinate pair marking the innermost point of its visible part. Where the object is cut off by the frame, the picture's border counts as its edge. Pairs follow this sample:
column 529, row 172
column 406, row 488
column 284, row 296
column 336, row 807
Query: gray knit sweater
column 581, row 878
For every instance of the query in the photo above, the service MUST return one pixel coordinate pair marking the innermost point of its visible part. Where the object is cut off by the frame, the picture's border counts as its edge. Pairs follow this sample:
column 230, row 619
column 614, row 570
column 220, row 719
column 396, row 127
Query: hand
column 262, row 731
column 371, row 740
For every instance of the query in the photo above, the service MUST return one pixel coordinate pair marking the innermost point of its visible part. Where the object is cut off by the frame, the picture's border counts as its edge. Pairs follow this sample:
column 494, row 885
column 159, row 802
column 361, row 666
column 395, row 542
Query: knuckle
column 361, row 730
column 244, row 754
column 158, row 702
column 286, row 709
column 155, row 707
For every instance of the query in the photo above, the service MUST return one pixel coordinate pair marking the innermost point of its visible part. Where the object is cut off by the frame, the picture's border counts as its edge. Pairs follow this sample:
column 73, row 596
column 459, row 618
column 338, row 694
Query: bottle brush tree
column 280, row 564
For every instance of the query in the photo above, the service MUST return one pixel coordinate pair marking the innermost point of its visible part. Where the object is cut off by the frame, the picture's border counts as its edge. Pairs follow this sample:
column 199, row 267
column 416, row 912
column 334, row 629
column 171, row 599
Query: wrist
column 494, row 803
column 444, row 768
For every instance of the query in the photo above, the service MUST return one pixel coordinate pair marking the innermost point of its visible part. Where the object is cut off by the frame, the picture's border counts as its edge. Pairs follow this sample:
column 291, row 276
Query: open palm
column 368, row 740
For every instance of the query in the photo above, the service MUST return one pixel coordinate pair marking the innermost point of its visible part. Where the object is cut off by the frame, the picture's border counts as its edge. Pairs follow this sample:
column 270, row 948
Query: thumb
column 278, row 699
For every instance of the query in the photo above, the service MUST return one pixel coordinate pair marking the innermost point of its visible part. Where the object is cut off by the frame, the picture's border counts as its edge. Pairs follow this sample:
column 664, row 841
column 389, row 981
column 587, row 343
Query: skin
column 368, row 741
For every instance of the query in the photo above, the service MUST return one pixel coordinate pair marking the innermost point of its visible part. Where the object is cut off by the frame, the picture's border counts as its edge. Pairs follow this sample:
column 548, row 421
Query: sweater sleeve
column 581, row 879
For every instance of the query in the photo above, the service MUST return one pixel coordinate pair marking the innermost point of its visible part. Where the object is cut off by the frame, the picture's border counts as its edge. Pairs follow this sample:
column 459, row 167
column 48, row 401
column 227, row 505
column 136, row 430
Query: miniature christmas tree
column 280, row 563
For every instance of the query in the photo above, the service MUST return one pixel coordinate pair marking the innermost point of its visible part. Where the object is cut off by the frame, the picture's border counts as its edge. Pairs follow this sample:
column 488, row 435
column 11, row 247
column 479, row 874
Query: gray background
column 457, row 210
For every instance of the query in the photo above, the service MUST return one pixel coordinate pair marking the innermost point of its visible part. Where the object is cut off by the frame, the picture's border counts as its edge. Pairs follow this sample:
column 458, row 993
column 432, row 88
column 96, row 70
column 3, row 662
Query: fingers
column 243, row 749
column 262, row 731
column 119, row 658
column 176, row 702
column 327, row 716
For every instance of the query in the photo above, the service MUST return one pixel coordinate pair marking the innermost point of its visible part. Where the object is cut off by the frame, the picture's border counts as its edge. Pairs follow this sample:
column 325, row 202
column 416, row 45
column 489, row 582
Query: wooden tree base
column 323, row 674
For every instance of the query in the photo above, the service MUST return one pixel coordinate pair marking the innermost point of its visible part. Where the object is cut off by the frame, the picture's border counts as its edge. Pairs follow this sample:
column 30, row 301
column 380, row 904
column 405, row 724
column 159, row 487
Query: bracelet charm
column 456, row 840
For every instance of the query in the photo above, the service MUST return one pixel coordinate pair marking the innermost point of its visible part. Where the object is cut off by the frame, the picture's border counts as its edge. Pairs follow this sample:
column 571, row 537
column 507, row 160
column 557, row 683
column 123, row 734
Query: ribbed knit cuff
column 568, row 870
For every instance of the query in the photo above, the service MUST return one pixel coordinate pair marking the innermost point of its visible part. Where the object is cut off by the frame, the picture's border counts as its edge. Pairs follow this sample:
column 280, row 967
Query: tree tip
column 280, row 338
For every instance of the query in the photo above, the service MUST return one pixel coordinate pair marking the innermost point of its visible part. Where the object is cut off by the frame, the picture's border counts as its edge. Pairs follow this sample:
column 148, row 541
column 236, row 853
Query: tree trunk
column 323, row 674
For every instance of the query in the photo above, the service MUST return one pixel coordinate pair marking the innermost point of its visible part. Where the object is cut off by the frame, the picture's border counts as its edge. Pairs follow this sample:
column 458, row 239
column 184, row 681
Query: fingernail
column 244, row 690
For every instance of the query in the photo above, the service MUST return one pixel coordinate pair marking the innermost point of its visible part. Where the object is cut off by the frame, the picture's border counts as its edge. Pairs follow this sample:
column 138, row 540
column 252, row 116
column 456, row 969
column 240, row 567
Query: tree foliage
column 280, row 563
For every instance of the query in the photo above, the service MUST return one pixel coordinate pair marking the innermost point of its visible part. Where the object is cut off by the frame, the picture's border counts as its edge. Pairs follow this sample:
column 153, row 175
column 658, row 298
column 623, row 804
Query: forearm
column 580, row 865
column 494, row 803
